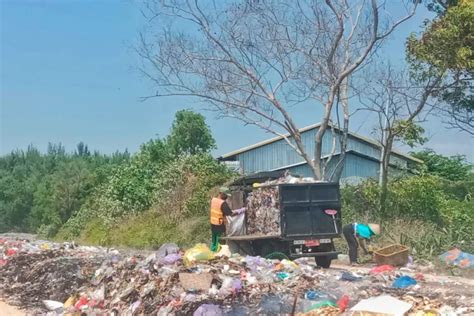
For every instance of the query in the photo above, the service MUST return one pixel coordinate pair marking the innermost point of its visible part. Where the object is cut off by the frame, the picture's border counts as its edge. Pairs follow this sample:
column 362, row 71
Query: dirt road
column 8, row 310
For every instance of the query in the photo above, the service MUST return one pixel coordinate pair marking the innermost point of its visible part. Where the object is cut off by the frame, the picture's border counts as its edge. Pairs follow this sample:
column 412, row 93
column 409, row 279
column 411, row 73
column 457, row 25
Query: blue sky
column 68, row 74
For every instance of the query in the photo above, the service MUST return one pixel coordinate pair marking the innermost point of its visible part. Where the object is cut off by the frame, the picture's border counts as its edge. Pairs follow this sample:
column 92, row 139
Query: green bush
column 421, row 213
column 179, row 212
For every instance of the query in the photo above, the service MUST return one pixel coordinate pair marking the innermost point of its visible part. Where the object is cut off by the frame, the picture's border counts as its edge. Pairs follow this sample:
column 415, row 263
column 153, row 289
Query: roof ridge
column 308, row 128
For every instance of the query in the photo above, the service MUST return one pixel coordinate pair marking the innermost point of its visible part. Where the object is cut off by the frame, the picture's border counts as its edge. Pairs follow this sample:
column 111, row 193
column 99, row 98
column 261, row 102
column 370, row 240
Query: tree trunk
column 386, row 150
column 318, row 148
column 337, row 173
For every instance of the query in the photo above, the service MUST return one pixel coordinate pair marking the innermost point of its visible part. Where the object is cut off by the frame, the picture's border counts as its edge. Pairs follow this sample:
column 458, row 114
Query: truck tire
column 323, row 262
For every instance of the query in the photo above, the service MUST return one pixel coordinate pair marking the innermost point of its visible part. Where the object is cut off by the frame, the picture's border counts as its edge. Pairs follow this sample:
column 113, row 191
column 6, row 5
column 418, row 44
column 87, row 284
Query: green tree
column 454, row 168
column 446, row 49
column 190, row 134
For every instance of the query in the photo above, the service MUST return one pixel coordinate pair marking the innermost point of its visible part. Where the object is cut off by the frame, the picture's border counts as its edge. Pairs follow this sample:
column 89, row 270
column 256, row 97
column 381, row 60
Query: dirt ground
column 8, row 310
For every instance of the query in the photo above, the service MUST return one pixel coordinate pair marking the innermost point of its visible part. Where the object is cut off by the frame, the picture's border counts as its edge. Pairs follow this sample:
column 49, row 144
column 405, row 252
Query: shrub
column 421, row 214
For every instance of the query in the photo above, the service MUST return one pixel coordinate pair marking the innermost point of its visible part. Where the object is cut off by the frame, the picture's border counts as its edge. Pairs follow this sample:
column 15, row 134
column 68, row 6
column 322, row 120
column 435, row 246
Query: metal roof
column 305, row 129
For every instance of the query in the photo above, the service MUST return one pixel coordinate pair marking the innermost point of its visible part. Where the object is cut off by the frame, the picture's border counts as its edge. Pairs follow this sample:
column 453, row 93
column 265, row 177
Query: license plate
column 311, row 243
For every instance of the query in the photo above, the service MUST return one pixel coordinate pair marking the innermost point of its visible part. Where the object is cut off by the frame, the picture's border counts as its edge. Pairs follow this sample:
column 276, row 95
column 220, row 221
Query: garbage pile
column 170, row 281
column 263, row 209
column 263, row 213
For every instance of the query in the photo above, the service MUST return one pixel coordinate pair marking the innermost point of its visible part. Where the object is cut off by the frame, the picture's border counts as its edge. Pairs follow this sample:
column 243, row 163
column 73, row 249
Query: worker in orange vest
column 220, row 209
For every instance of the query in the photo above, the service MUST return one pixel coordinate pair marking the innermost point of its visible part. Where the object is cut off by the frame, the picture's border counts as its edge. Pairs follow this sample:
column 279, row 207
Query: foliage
column 421, row 213
column 39, row 192
column 454, row 168
column 447, row 47
column 447, row 43
column 164, row 176
column 179, row 209
column 439, row 6
column 409, row 132
column 68, row 192
column 190, row 135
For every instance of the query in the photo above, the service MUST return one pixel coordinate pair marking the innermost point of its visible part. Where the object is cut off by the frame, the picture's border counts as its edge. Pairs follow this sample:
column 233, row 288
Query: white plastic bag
column 235, row 225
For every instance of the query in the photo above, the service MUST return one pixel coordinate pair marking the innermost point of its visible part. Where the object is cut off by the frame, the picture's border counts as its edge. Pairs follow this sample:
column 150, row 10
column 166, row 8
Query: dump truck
column 310, row 220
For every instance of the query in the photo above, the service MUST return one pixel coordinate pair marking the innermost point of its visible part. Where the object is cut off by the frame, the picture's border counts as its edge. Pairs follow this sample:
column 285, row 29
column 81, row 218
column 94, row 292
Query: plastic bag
column 166, row 249
column 382, row 269
column 53, row 305
column 348, row 276
column 235, row 225
column 458, row 258
column 199, row 252
column 208, row 310
column 343, row 302
column 403, row 282
column 170, row 259
column 224, row 252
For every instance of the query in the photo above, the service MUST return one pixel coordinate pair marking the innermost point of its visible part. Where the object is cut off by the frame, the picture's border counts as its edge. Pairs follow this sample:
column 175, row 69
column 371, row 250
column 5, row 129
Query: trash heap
column 263, row 212
column 94, row 281
column 263, row 209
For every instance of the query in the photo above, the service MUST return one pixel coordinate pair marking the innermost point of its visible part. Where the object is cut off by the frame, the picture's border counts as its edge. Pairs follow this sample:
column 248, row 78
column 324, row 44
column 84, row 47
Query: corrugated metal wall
column 279, row 154
column 354, row 167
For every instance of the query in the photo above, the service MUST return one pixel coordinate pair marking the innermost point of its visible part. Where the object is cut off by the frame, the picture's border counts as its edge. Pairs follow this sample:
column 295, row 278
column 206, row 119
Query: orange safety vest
column 217, row 217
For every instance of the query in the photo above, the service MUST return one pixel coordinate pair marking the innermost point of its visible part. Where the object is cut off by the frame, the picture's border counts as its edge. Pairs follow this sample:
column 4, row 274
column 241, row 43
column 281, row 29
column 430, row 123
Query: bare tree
column 400, row 103
column 253, row 60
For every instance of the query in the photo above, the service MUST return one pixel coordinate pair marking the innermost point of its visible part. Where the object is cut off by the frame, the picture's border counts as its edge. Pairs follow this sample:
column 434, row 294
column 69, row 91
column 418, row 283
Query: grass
column 148, row 231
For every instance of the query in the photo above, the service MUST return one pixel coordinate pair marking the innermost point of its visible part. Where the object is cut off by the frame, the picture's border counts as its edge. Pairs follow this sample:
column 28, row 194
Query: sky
column 69, row 74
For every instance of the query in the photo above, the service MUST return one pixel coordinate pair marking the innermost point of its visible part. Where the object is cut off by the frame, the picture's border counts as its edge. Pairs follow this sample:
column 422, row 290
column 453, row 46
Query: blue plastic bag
column 403, row 282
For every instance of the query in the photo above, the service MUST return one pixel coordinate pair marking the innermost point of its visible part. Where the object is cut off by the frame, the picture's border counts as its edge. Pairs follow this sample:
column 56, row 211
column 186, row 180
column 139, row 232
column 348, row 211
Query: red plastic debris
column 81, row 302
column 382, row 269
column 11, row 251
column 419, row 277
column 343, row 302
column 3, row 262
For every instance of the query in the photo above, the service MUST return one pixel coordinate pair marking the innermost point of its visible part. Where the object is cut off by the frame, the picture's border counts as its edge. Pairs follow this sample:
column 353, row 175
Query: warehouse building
column 362, row 156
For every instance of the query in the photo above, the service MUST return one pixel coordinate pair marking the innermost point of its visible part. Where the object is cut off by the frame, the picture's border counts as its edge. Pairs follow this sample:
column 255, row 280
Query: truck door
column 310, row 210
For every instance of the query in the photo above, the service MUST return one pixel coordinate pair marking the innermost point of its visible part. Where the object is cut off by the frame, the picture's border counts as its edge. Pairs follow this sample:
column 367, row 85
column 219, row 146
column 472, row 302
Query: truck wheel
column 323, row 262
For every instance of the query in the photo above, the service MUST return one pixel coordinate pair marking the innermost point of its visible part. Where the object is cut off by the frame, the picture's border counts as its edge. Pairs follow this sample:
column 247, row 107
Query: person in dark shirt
column 219, row 210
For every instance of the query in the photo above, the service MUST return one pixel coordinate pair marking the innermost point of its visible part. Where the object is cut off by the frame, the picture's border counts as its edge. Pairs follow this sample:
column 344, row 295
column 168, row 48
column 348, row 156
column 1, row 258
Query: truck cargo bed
column 250, row 237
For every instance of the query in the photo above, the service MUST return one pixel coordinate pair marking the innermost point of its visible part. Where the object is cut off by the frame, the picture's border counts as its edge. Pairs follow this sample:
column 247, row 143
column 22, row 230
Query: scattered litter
column 224, row 252
column 403, row 282
column 348, row 276
column 384, row 305
column 70, row 280
column 200, row 252
column 382, row 269
column 208, row 310
column 456, row 257
column 325, row 303
column 170, row 259
column 343, row 303
column 53, row 305
column 315, row 295
column 167, row 249
column 194, row 281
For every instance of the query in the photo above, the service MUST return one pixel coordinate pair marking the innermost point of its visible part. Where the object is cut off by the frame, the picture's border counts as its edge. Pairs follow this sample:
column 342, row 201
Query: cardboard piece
column 195, row 281
column 383, row 305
